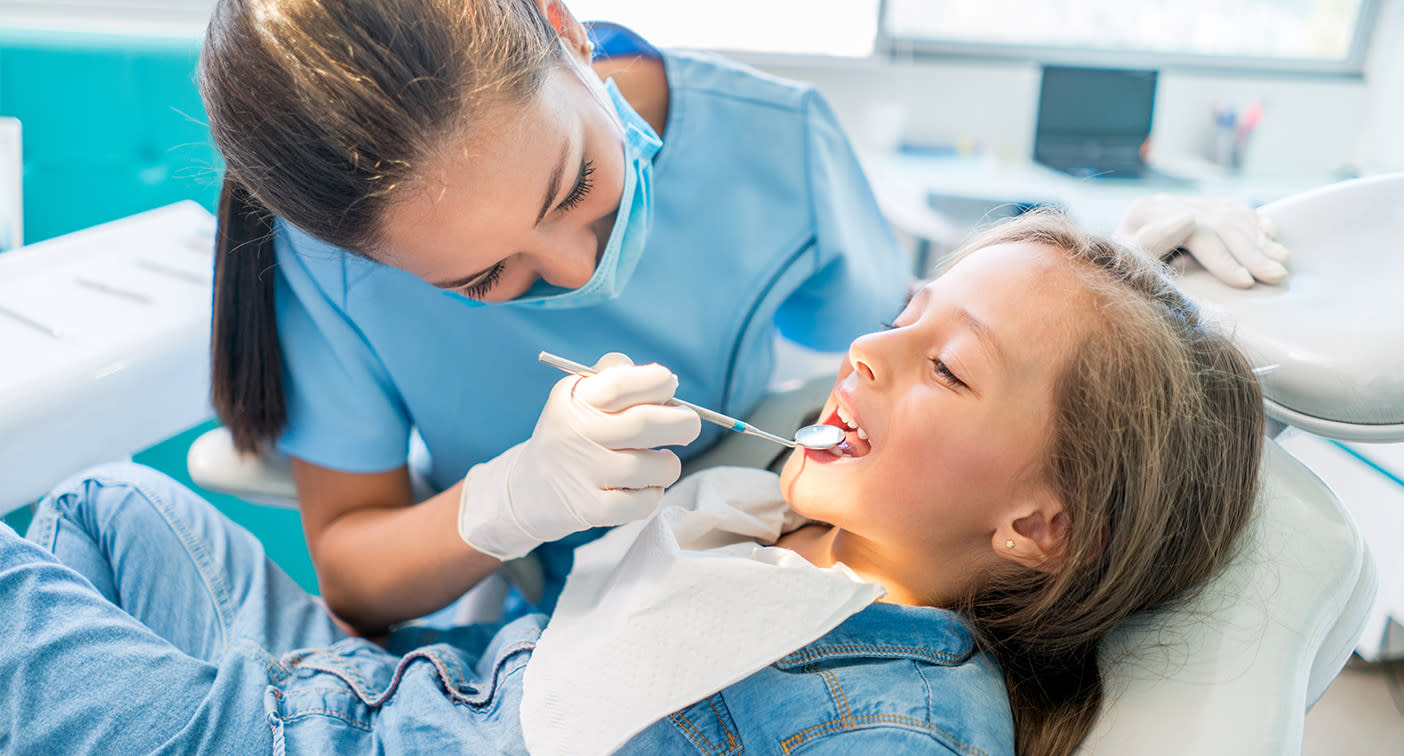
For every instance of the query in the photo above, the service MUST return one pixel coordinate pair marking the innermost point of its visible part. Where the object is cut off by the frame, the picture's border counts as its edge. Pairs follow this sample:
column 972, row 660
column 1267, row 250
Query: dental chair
column 1236, row 669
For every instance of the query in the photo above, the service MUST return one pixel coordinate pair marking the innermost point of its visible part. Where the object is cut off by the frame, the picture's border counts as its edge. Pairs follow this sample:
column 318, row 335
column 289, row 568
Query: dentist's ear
column 1034, row 534
column 572, row 32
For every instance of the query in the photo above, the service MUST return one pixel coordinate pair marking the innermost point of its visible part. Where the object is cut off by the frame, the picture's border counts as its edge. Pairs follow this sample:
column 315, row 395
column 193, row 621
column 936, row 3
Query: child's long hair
column 1154, row 454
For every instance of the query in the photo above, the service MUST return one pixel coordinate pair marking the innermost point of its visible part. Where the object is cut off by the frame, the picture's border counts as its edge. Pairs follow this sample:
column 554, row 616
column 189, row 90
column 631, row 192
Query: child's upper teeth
column 862, row 434
column 846, row 418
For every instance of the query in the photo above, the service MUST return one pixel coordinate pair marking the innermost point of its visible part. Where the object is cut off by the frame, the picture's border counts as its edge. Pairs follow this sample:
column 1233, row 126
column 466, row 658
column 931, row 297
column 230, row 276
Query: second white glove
column 590, row 462
column 1230, row 239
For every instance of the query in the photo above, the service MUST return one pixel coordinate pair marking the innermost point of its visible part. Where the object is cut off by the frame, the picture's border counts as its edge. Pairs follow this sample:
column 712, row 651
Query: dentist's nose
column 570, row 265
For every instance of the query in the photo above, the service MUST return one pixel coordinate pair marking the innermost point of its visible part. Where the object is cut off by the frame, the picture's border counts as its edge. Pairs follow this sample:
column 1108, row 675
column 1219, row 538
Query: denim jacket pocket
column 707, row 724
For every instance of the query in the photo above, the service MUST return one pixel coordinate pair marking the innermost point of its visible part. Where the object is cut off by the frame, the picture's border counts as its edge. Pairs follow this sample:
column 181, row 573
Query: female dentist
column 421, row 195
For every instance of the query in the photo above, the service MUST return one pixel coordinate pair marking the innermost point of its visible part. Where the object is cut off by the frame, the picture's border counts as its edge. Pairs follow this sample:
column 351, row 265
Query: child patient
column 1044, row 442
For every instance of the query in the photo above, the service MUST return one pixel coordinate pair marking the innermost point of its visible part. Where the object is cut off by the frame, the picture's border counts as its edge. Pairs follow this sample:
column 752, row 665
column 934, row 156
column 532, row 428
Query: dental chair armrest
column 215, row 465
column 266, row 478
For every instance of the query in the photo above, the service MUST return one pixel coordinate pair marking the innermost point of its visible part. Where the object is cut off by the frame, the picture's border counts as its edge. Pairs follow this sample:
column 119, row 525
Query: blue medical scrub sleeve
column 344, row 412
column 861, row 273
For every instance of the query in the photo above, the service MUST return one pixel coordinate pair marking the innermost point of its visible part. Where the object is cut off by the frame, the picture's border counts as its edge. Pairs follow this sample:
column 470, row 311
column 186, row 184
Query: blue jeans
column 129, row 635
column 153, row 624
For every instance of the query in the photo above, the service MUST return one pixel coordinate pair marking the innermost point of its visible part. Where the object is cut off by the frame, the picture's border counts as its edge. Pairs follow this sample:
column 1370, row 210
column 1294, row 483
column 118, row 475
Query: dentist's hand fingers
column 1164, row 235
column 640, row 468
column 620, row 505
column 612, row 359
column 617, row 388
column 1253, row 256
column 1210, row 251
column 1267, row 225
column 645, row 426
column 1276, row 251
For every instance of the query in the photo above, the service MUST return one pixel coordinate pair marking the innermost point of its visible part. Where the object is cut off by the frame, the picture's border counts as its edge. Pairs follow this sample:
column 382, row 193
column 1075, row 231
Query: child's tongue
column 852, row 445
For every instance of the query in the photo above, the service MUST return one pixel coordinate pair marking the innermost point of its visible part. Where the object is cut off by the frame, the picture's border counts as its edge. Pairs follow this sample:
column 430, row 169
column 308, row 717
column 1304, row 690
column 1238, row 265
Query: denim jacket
column 890, row 680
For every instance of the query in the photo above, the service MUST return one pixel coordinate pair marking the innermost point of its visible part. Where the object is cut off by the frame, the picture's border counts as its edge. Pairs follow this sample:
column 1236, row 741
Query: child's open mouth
column 855, row 439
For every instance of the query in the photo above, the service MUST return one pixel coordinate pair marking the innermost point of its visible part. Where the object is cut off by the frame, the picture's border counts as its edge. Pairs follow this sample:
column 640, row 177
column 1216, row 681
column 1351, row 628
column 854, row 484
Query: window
column 817, row 27
column 1298, row 35
column 1286, row 35
column 138, row 17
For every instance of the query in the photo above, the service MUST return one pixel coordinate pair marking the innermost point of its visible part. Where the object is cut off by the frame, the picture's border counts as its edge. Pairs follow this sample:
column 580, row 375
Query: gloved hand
column 590, row 462
column 1230, row 239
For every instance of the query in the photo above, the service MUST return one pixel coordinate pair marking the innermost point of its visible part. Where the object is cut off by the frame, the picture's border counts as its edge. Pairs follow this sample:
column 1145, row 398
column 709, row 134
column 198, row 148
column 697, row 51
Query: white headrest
column 1330, row 340
column 1234, row 670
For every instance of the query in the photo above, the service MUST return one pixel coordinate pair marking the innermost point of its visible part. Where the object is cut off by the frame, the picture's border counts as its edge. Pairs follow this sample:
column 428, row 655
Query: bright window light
column 814, row 27
column 1302, row 30
column 817, row 27
column 178, row 18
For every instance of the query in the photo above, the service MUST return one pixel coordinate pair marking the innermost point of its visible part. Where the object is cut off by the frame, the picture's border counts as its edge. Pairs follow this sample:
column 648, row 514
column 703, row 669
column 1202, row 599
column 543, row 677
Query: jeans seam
column 332, row 713
column 699, row 740
column 47, row 533
column 730, row 737
column 810, row 655
column 836, row 692
column 219, row 592
column 277, row 672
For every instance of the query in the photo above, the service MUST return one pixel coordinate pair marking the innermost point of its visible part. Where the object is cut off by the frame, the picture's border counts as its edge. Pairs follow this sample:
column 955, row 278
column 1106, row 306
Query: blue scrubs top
column 762, row 219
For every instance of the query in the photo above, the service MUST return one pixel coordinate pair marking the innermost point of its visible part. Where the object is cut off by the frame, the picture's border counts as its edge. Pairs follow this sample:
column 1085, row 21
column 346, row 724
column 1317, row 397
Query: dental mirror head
column 819, row 437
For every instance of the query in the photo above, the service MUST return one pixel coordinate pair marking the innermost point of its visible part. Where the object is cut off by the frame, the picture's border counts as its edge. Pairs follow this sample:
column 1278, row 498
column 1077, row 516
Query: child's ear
column 1034, row 533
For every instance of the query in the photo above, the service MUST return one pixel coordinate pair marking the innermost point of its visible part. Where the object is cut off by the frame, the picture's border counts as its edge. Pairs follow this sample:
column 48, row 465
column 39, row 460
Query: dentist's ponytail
column 246, row 361
column 325, row 114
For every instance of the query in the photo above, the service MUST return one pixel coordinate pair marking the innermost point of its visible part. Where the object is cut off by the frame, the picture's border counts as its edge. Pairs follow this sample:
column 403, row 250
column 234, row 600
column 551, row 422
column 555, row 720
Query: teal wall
column 112, row 126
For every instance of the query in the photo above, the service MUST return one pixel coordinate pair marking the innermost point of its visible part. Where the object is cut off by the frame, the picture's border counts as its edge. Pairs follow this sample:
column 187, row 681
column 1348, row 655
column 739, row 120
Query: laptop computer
column 1095, row 122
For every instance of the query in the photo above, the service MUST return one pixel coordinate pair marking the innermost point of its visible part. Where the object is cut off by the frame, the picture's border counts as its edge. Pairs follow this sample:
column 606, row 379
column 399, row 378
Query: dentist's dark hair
column 1154, row 454
column 325, row 114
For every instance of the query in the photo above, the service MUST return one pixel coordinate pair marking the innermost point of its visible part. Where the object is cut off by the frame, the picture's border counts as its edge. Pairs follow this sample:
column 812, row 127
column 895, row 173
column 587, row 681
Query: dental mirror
column 819, row 436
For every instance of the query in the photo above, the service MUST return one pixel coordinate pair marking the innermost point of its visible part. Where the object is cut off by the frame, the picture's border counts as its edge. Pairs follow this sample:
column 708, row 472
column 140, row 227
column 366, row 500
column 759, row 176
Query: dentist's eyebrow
column 553, row 185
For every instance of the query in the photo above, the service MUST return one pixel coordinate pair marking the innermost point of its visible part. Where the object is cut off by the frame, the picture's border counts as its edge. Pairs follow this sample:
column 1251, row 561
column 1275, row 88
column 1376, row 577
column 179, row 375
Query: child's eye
column 944, row 373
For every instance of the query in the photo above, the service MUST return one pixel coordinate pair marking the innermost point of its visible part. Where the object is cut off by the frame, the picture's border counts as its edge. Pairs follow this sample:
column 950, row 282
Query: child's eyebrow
column 985, row 334
column 913, row 289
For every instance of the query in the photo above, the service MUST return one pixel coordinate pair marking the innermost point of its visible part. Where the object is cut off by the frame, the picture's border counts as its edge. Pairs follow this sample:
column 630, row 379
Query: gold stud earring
column 1009, row 544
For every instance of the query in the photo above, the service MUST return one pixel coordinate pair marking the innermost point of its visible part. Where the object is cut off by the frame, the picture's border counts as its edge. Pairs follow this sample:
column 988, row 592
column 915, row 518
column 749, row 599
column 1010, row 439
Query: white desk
column 939, row 200
column 104, row 345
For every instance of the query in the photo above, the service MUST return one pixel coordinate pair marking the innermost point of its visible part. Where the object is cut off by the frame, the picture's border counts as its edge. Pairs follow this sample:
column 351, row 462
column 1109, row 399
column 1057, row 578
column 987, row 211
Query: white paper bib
column 662, row 613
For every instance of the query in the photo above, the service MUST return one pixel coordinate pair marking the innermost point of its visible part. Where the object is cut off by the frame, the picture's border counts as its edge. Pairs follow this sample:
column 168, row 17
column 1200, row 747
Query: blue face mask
column 626, row 239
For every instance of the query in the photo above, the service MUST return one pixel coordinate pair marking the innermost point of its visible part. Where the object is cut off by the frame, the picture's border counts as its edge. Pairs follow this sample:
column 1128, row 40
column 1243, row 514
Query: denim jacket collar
column 935, row 636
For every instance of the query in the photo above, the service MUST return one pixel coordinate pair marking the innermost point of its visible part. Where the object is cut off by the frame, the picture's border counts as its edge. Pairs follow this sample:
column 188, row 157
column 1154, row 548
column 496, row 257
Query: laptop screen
column 1093, row 121
column 1096, row 101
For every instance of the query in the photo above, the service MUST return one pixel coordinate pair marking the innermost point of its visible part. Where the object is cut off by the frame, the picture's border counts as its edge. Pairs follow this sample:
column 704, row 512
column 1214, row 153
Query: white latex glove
column 589, row 463
column 1230, row 239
